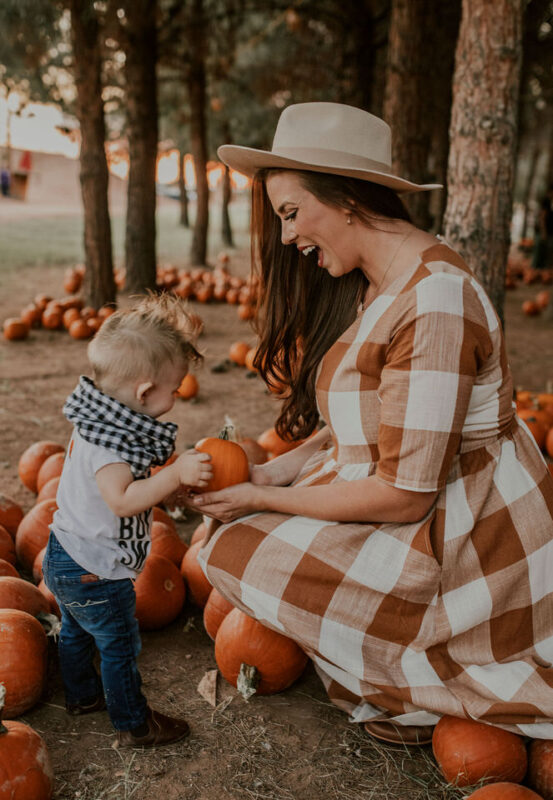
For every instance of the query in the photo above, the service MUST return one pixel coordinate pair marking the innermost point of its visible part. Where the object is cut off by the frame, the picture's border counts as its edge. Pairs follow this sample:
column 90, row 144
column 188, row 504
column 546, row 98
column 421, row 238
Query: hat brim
column 248, row 160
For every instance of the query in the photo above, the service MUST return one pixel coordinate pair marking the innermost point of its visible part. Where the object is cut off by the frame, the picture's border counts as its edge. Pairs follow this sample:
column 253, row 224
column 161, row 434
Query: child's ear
column 142, row 390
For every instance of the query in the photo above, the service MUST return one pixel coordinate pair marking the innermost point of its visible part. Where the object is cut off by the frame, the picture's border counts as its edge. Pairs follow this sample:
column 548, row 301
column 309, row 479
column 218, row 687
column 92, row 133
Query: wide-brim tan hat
column 326, row 137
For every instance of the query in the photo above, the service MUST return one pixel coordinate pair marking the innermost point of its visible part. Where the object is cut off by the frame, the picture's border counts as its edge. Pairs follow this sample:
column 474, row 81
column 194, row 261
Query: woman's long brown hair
column 303, row 310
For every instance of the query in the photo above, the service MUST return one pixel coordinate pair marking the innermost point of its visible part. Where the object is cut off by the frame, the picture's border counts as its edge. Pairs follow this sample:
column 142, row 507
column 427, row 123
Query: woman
column 405, row 545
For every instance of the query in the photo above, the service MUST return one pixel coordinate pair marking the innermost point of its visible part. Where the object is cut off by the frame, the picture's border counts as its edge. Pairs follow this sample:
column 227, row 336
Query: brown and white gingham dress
column 449, row 615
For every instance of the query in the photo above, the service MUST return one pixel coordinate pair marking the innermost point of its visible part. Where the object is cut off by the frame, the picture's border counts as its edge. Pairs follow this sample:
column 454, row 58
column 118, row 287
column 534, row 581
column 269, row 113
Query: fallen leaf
column 207, row 687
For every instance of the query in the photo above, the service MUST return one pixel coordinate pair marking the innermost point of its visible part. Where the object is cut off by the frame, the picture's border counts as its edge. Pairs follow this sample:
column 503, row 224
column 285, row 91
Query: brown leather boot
column 161, row 730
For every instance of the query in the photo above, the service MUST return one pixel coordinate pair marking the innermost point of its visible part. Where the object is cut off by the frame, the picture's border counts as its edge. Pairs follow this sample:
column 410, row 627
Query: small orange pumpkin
column 25, row 767
column 159, row 515
column 166, row 542
column 278, row 660
column 21, row 594
column 49, row 490
column 273, row 444
column 540, row 767
column 160, row 593
column 11, row 514
column 32, row 459
column 199, row 587
column 69, row 316
column 33, row 532
column 215, row 610
column 23, row 653
column 504, row 791
column 189, row 387
column 468, row 752
column 8, row 569
column 238, row 352
column 7, row 546
column 229, row 462
column 15, row 328
column 80, row 329
column 50, row 468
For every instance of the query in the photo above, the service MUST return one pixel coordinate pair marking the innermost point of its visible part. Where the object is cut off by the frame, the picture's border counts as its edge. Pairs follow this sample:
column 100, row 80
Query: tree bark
column 140, row 45
column 226, row 229
column 406, row 107
column 483, row 138
column 183, row 194
column 196, row 84
column 99, row 285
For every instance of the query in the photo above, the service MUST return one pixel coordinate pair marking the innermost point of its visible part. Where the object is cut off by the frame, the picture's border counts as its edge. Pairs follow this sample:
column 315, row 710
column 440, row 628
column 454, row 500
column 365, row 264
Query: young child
column 100, row 534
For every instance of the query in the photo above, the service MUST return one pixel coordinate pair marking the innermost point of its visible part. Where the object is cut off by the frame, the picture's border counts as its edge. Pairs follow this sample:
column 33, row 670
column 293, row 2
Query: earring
column 348, row 219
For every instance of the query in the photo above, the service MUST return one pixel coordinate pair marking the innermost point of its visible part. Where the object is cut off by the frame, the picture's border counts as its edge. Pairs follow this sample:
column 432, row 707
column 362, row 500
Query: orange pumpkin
column 199, row 533
column 248, row 361
column 238, row 352
column 504, row 791
column 278, row 660
column 72, row 281
column 255, row 453
column 468, row 752
column 535, row 425
column 272, row 443
column 69, row 316
column 530, row 308
column 160, row 593
column 33, row 532
column 8, row 569
column 11, row 514
column 229, row 462
column 21, row 594
column 25, row 767
column 189, row 387
column 199, row 587
column 23, row 653
column 51, row 468
column 42, row 300
column 540, row 767
column 548, row 443
column 15, row 328
column 51, row 600
column 31, row 315
column 215, row 610
column 167, row 543
column 32, row 459
column 7, row 546
column 52, row 318
column 246, row 311
column 49, row 490
column 80, row 329
column 37, row 565
column 159, row 515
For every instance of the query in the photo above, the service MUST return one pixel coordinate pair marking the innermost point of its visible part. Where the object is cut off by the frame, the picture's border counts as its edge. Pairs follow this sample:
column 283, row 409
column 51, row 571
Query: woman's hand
column 230, row 503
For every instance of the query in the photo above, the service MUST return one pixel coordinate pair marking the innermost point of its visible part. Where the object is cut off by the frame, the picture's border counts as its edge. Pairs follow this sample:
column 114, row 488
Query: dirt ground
column 287, row 746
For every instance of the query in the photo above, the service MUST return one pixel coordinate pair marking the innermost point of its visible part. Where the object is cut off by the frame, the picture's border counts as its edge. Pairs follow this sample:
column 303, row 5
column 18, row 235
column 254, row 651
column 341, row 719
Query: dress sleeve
column 431, row 364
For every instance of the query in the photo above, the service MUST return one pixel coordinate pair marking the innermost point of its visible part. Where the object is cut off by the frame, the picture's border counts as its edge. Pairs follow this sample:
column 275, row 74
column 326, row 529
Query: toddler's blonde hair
column 138, row 341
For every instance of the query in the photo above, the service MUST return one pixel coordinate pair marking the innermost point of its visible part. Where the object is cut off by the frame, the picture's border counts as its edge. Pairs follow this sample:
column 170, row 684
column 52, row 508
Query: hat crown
column 334, row 126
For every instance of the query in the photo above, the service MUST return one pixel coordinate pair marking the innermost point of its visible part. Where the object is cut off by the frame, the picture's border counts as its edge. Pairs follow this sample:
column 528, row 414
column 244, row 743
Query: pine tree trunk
column 226, row 229
column 484, row 137
column 99, row 285
column 406, row 107
column 140, row 44
column 196, row 81
column 183, row 194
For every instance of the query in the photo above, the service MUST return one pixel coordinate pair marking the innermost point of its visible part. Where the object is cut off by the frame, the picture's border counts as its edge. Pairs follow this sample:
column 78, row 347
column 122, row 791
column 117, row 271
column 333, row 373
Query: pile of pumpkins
column 536, row 410
column 69, row 313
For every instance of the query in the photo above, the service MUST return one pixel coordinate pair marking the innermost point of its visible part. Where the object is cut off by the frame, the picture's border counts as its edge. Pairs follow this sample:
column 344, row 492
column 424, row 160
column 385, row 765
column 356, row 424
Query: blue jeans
column 97, row 614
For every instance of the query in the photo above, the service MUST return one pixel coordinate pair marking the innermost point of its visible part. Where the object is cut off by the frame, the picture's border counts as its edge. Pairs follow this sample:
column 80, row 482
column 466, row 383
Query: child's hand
column 194, row 468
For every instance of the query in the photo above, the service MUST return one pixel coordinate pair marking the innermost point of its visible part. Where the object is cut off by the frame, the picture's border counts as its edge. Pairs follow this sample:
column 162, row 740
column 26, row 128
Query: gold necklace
column 392, row 260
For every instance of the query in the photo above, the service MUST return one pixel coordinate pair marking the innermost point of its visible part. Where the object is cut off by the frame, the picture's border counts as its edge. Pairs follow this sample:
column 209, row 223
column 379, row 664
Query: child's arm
column 126, row 496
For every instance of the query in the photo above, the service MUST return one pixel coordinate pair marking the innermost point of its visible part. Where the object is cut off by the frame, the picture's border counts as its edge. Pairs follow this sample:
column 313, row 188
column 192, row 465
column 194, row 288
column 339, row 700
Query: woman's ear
column 142, row 390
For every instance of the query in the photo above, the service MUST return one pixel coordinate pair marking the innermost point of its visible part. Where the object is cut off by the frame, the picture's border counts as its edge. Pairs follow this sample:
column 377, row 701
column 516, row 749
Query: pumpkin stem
column 229, row 431
column 248, row 680
column 3, row 728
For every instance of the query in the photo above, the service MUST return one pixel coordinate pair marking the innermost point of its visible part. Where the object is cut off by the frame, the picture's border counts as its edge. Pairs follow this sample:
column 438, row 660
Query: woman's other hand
column 230, row 503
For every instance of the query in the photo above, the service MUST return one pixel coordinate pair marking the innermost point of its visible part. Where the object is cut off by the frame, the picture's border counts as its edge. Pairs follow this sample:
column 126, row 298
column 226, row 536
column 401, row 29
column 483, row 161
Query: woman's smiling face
column 307, row 223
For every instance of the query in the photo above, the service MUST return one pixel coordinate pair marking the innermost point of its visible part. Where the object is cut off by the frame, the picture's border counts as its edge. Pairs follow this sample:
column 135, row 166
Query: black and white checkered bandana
column 140, row 440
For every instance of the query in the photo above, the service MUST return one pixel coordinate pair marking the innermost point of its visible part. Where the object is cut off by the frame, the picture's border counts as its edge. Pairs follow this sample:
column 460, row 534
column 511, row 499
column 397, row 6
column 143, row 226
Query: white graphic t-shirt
column 101, row 542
